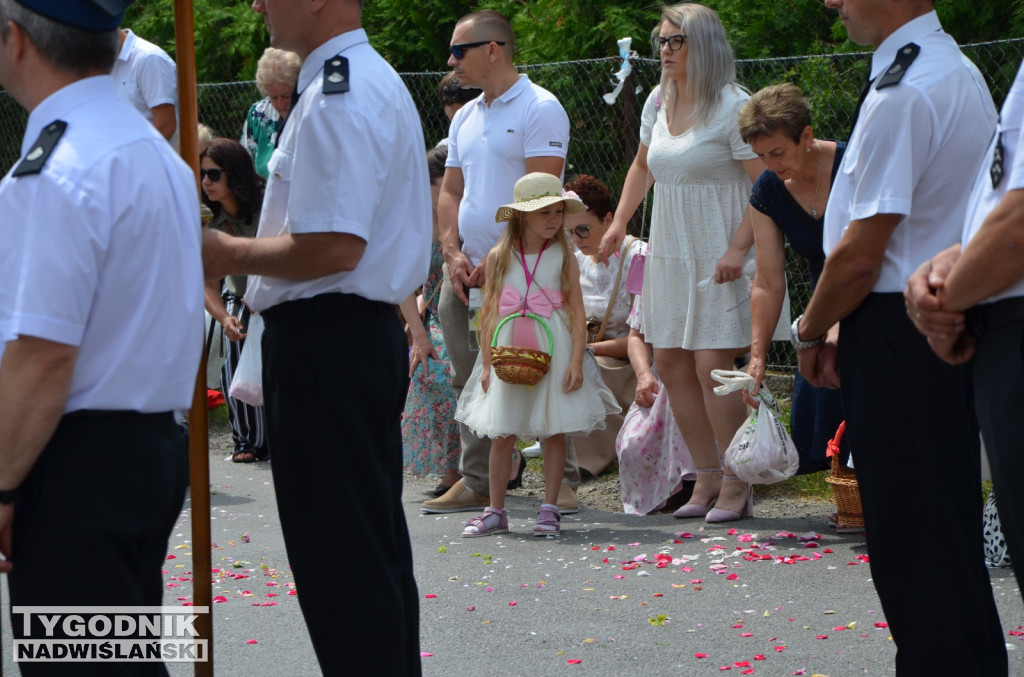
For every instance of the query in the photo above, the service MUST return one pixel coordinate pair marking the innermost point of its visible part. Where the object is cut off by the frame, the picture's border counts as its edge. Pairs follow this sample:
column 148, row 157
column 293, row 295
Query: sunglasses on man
column 458, row 51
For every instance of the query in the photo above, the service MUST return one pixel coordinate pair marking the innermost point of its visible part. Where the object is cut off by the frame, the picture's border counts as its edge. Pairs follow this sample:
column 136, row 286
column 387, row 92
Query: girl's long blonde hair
column 507, row 254
column 710, row 64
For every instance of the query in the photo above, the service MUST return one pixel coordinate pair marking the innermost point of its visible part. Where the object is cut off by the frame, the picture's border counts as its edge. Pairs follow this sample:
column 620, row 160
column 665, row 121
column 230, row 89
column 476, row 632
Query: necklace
column 814, row 201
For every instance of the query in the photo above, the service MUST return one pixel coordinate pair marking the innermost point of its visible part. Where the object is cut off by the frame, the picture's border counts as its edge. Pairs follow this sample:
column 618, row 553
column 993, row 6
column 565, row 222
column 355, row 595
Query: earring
column 808, row 149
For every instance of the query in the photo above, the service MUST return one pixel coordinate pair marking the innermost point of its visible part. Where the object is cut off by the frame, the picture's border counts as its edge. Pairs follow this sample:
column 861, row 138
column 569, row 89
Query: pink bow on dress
column 541, row 302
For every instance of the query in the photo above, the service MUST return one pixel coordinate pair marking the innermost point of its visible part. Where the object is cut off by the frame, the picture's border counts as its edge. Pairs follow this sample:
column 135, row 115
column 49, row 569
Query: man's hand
column 924, row 307
column 460, row 271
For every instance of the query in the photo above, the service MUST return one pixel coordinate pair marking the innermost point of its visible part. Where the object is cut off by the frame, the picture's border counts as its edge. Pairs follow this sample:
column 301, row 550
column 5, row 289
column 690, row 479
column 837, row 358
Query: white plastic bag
column 761, row 451
column 247, row 382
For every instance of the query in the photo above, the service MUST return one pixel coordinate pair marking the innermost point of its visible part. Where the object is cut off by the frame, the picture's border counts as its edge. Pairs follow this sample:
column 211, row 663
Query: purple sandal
column 548, row 521
column 491, row 522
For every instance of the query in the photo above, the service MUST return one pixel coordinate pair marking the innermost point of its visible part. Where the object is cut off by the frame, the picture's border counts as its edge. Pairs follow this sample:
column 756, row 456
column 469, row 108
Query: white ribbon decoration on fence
column 624, row 70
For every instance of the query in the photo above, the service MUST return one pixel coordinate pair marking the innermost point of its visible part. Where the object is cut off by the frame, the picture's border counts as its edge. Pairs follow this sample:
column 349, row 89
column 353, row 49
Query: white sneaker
column 532, row 451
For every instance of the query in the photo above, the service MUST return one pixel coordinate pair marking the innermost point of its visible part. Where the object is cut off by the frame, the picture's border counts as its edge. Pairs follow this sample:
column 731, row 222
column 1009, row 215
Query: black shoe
column 518, row 480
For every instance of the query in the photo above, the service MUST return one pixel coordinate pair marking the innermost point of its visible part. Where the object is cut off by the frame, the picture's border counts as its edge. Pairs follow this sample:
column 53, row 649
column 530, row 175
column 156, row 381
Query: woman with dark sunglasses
column 234, row 193
column 607, row 304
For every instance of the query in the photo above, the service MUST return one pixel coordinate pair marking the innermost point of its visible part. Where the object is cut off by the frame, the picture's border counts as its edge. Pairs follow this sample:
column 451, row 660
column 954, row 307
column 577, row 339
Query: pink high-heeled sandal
column 718, row 515
column 698, row 509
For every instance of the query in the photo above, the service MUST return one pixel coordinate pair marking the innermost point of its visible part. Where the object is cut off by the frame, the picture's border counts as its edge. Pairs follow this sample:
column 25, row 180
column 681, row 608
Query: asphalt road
column 775, row 596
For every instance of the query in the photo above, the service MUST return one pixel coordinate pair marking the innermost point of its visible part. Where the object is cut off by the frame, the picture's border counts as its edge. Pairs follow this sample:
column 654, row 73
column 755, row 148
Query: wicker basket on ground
column 844, row 487
column 518, row 365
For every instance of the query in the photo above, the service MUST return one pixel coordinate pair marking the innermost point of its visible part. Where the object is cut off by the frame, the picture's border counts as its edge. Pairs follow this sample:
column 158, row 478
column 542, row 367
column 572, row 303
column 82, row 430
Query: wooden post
column 198, row 437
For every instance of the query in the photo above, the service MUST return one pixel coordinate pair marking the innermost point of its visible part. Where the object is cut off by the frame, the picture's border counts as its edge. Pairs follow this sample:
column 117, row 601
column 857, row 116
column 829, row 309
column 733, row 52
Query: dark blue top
column 804, row 233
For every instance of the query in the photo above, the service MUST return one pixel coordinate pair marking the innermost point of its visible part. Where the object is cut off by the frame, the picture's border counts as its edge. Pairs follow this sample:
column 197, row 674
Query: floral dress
column 430, row 435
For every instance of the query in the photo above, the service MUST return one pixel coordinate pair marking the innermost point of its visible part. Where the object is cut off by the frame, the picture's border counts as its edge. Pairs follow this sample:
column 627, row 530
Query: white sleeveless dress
column 542, row 410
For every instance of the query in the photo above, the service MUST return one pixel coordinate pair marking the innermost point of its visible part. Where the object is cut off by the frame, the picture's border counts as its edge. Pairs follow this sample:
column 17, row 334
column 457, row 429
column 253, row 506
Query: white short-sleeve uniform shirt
column 490, row 144
column 101, row 250
column 352, row 162
column 985, row 197
column 913, row 146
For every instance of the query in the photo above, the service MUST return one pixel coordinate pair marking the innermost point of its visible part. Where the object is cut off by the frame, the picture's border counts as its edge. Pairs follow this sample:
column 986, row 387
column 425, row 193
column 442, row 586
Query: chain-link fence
column 604, row 137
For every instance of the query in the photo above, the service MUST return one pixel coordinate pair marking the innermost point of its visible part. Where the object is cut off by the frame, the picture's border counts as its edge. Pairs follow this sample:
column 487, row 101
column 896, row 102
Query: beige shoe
column 459, row 498
column 567, row 502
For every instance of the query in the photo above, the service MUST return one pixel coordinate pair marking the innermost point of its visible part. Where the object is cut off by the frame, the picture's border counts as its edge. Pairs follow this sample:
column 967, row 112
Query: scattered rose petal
column 821, row 637
column 470, row 608
column 700, row 655
column 431, row 596
column 513, row 603
column 742, row 664
column 746, row 634
column 732, row 577
column 425, row 654
column 759, row 657
column 881, row 624
column 252, row 641
column 573, row 661
column 219, row 598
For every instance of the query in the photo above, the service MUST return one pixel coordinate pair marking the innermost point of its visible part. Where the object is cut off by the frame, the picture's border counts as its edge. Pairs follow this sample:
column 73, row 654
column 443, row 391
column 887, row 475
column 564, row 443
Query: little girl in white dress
column 532, row 270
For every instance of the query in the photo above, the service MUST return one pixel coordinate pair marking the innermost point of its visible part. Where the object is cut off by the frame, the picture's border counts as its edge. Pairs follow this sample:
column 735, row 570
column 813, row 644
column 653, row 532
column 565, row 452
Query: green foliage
column 229, row 37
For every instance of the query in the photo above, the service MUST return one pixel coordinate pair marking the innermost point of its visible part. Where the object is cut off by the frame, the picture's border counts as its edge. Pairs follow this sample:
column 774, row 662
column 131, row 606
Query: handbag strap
column 615, row 289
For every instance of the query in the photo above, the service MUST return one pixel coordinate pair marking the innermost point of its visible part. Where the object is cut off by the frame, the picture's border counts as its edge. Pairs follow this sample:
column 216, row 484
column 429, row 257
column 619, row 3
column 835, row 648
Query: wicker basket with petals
column 844, row 487
column 518, row 365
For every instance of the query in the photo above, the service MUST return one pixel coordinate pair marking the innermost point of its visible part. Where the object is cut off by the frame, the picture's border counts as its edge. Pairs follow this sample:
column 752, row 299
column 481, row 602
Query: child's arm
column 578, row 329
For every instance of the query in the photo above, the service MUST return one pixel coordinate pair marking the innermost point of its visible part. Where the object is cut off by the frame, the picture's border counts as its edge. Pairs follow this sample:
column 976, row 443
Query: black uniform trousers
column 917, row 456
column 999, row 386
column 335, row 376
column 92, row 521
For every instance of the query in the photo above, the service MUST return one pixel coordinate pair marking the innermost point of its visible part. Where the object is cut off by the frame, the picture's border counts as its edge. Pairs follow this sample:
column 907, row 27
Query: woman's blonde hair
column 710, row 64
column 506, row 253
column 277, row 67
column 773, row 109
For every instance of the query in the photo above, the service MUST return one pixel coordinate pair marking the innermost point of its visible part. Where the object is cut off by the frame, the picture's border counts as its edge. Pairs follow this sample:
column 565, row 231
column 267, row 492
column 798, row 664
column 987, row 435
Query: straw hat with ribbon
column 536, row 191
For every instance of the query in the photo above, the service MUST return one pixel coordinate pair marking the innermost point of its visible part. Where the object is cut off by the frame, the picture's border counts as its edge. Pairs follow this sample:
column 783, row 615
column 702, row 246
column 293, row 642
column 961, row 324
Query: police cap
column 88, row 15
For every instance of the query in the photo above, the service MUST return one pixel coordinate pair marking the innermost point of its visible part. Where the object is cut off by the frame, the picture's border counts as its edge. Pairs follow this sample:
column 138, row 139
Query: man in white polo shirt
column 344, row 236
column 513, row 128
column 147, row 76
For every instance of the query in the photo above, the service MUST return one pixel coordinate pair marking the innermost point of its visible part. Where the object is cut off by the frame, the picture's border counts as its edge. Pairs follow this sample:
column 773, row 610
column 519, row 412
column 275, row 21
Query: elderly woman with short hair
column 788, row 203
column 276, row 74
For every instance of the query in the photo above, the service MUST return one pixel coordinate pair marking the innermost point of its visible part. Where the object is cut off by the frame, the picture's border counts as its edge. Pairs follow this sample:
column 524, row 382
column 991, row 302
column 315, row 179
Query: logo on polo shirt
column 555, row 144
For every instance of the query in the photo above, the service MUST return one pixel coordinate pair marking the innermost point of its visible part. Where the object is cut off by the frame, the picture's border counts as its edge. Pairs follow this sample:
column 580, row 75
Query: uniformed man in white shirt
column 898, row 198
column 344, row 236
column 971, row 307
column 101, row 320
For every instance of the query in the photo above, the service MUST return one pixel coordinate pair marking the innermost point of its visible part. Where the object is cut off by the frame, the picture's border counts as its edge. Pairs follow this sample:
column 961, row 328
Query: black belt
column 323, row 304
column 111, row 413
column 988, row 316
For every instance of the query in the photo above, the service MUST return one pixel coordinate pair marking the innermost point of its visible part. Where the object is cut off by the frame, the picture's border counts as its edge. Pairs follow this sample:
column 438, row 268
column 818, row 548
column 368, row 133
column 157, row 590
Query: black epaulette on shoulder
column 894, row 73
column 36, row 158
column 336, row 75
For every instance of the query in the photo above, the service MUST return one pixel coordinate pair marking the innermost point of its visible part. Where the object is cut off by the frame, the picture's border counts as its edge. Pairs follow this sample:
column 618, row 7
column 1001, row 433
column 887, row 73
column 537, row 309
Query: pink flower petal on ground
column 430, row 596
column 186, row 604
column 732, row 577
column 620, row 576
column 596, row 547
column 271, row 594
column 811, row 544
column 573, row 661
column 292, row 593
column 742, row 664
column 181, row 599
column 759, row 657
column 746, row 634
column 700, row 655
column 881, row 624
column 747, row 672
column 801, row 671
column 686, row 569
column 695, row 581
column 172, row 557
column 1015, row 633
column 839, row 627
column 745, row 538
column 731, row 532
column 737, row 626
column 252, row 641
column 610, row 548
column 425, row 654
column 219, row 598
column 513, row 603
column 684, row 534
column 725, row 667
column 633, row 545
column 821, row 637
column 470, row 608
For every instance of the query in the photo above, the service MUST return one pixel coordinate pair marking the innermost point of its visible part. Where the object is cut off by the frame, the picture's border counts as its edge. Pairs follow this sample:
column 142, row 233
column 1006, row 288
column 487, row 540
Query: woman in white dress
column 696, row 298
